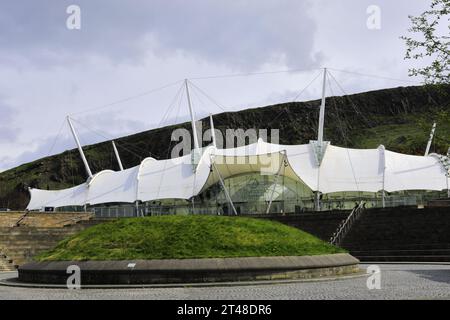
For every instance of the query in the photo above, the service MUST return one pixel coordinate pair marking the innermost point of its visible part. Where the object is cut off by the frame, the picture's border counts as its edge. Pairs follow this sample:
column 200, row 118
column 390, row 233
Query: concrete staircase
column 401, row 234
column 7, row 220
column 42, row 220
column 37, row 232
column 6, row 264
column 321, row 224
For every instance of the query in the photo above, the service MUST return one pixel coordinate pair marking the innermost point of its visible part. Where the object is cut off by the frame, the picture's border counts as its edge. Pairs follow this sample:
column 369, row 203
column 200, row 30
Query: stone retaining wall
column 191, row 270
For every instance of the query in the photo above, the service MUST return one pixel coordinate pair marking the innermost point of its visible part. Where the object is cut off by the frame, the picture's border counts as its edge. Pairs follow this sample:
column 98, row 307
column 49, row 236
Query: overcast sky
column 125, row 48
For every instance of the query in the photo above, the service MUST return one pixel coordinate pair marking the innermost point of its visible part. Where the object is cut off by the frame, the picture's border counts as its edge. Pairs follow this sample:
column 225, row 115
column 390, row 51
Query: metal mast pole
column 117, row 156
column 213, row 133
column 191, row 111
column 447, row 174
column 276, row 183
column 448, row 188
column 320, row 144
column 433, row 129
column 322, row 109
column 383, row 192
column 227, row 195
column 80, row 149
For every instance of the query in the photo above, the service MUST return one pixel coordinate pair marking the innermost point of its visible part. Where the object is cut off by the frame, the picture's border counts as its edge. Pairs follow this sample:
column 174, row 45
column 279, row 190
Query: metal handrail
column 17, row 223
column 345, row 226
column 75, row 220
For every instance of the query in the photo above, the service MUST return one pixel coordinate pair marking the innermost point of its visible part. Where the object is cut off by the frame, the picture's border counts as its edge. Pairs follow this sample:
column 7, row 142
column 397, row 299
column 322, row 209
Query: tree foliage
column 430, row 41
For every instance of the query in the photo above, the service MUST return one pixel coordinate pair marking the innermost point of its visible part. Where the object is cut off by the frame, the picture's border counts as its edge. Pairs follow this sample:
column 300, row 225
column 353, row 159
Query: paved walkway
column 406, row 281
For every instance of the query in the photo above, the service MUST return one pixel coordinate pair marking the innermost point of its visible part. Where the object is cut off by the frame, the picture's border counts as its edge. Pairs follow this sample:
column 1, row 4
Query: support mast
column 191, row 111
column 276, row 182
column 322, row 109
column 320, row 144
column 448, row 175
column 80, row 149
column 116, row 152
column 213, row 133
column 433, row 129
column 227, row 195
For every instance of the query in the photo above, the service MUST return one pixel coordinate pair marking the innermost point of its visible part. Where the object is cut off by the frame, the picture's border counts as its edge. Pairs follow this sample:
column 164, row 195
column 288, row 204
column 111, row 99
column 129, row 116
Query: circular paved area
column 400, row 281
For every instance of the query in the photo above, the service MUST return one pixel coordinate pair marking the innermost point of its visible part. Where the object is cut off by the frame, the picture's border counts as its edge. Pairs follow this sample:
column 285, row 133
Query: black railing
column 346, row 225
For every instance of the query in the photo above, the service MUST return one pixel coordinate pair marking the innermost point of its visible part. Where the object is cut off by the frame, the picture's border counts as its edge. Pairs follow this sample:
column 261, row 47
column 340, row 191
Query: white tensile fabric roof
column 341, row 169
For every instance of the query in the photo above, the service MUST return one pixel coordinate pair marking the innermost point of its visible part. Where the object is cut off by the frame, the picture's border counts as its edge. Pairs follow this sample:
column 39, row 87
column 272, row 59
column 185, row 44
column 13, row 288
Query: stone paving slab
column 398, row 281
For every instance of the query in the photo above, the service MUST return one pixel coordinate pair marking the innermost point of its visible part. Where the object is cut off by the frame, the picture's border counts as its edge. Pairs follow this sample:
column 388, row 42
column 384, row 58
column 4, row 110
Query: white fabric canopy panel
column 406, row 172
column 110, row 186
column 345, row 169
column 341, row 170
column 172, row 178
column 75, row 196
column 267, row 159
column 303, row 161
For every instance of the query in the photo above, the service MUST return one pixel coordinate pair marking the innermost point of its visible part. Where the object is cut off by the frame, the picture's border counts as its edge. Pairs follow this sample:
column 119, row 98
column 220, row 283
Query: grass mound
column 182, row 237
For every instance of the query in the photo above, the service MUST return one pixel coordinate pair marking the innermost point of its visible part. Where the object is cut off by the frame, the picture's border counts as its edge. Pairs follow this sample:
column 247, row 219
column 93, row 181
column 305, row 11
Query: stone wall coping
column 283, row 263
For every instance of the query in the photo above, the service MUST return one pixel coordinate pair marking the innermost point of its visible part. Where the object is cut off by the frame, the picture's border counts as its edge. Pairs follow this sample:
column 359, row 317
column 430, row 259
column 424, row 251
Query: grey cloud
column 90, row 130
column 8, row 133
column 242, row 34
column 6, row 113
column 49, row 146
column 44, row 146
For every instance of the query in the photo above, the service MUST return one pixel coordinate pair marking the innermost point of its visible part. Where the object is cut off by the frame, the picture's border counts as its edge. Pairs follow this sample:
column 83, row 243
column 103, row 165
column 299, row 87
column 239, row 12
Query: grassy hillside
column 183, row 237
column 399, row 118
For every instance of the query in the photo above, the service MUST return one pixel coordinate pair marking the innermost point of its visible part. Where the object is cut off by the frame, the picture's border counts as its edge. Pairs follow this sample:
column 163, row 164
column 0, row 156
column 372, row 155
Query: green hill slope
column 184, row 237
column 399, row 118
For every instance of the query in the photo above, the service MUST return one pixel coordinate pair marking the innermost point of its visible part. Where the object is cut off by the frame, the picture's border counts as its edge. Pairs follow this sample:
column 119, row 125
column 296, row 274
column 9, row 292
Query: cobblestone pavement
column 399, row 281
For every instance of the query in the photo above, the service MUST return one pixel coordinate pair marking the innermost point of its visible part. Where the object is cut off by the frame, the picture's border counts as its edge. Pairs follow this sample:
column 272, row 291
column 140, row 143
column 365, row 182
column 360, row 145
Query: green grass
column 407, row 138
column 182, row 237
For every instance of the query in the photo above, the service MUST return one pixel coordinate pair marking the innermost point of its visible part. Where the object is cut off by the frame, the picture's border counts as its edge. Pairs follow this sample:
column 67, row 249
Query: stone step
column 394, row 240
column 7, row 268
column 19, row 252
column 386, row 243
column 36, row 237
column 387, row 252
column 397, row 246
column 42, row 219
column 321, row 225
column 400, row 234
column 37, row 233
column 405, row 258
column 34, row 244
column 6, row 264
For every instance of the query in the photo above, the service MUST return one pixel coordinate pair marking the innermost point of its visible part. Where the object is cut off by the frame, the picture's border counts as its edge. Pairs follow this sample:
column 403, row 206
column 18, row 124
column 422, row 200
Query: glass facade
column 251, row 194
